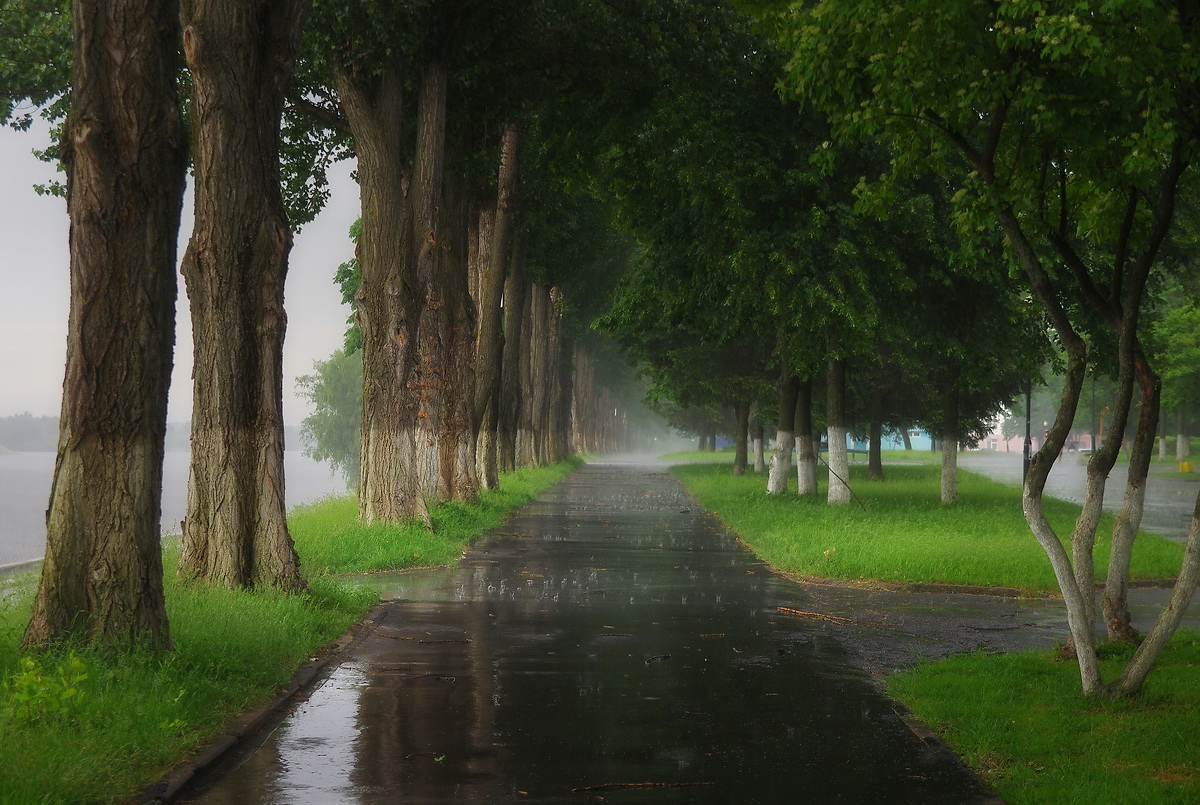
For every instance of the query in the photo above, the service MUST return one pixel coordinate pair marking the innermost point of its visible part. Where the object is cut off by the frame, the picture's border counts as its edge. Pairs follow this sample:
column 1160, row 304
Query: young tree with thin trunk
column 241, row 58
column 125, row 152
column 1080, row 171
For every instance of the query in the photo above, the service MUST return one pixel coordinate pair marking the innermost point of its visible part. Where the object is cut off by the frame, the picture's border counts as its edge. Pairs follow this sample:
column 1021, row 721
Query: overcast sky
column 35, row 285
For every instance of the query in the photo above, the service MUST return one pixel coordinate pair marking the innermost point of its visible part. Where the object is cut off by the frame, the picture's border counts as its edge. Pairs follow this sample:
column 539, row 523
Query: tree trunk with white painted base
column 839, row 459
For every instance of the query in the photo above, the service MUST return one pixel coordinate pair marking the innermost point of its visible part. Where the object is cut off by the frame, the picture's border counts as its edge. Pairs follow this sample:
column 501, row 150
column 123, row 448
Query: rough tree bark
column 839, row 459
column 374, row 113
column 125, row 152
column 423, row 332
column 241, row 58
column 806, row 447
column 516, row 326
column 532, row 389
column 489, row 355
column 456, row 328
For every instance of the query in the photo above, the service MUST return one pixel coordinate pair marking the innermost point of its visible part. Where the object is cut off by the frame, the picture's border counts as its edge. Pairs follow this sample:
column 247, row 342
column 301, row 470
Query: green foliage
column 1176, row 335
column 35, row 60
column 905, row 534
column 331, row 432
column 37, row 692
column 134, row 713
column 1021, row 724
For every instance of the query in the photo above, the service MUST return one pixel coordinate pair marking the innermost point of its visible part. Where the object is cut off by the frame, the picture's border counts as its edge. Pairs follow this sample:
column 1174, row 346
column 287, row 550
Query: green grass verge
column 331, row 539
column 1020, row 721
column 132, row 715
column 905, row 534
column 699, row 457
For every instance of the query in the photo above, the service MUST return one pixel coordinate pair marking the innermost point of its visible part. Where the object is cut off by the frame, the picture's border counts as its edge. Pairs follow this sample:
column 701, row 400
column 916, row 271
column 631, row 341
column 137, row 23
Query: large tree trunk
column 125, row 152
column 457, row 329
column 741, row 417
column 489, row 353
column 839, row 459
column 806, row 444
column 373, row 110
column 781, row 456
column 516, row 342
column 426, row 330
column 534, row 338
column 235, row 533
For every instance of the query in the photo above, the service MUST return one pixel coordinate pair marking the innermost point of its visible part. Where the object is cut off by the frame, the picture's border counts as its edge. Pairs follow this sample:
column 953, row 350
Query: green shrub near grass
column 134, row 715
column 905, row 534
column 1020, row 721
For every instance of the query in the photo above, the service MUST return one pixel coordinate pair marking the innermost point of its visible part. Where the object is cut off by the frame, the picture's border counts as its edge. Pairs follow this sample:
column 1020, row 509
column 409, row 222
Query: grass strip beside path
column 1018, row 719
column 1021, row 723
column 132, row 716
column 905, row 534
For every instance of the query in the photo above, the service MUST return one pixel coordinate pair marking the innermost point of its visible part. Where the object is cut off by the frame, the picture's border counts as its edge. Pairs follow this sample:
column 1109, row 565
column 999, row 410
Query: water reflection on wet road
column 611, row 641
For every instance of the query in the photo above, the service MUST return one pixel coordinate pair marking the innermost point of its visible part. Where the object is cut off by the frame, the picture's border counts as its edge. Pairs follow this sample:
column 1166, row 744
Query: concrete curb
column 246, row 728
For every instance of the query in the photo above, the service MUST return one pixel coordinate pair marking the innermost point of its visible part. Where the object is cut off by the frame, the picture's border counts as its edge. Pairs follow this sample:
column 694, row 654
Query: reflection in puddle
column 631, row 651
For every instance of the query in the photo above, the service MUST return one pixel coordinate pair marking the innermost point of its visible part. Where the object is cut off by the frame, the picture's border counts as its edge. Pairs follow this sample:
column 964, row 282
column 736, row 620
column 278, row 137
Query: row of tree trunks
column 415, row 313
column 373, row 111
column 240, row 58
column 489, row 348
column 125, row 153
column 599, row 422
column 457, row 335
column 516, row 288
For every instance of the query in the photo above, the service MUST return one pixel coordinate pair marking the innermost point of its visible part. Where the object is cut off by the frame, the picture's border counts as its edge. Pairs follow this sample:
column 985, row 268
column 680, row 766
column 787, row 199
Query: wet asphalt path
column 612, row 641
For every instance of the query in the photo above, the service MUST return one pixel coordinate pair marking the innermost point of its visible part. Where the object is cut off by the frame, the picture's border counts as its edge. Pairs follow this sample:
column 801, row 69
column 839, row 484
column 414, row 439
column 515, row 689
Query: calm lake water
column 25, row 491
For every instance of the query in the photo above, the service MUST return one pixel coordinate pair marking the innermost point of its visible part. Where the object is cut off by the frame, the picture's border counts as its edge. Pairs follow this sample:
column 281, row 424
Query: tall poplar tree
column 241, row 56
column 125, row 153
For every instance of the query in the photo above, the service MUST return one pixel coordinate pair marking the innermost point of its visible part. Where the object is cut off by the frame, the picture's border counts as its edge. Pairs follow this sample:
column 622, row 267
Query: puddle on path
column 612, row 641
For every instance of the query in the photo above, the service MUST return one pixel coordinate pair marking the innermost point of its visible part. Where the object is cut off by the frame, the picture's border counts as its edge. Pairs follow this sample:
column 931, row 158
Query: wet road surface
column 612, row 642
column 1169, row 501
